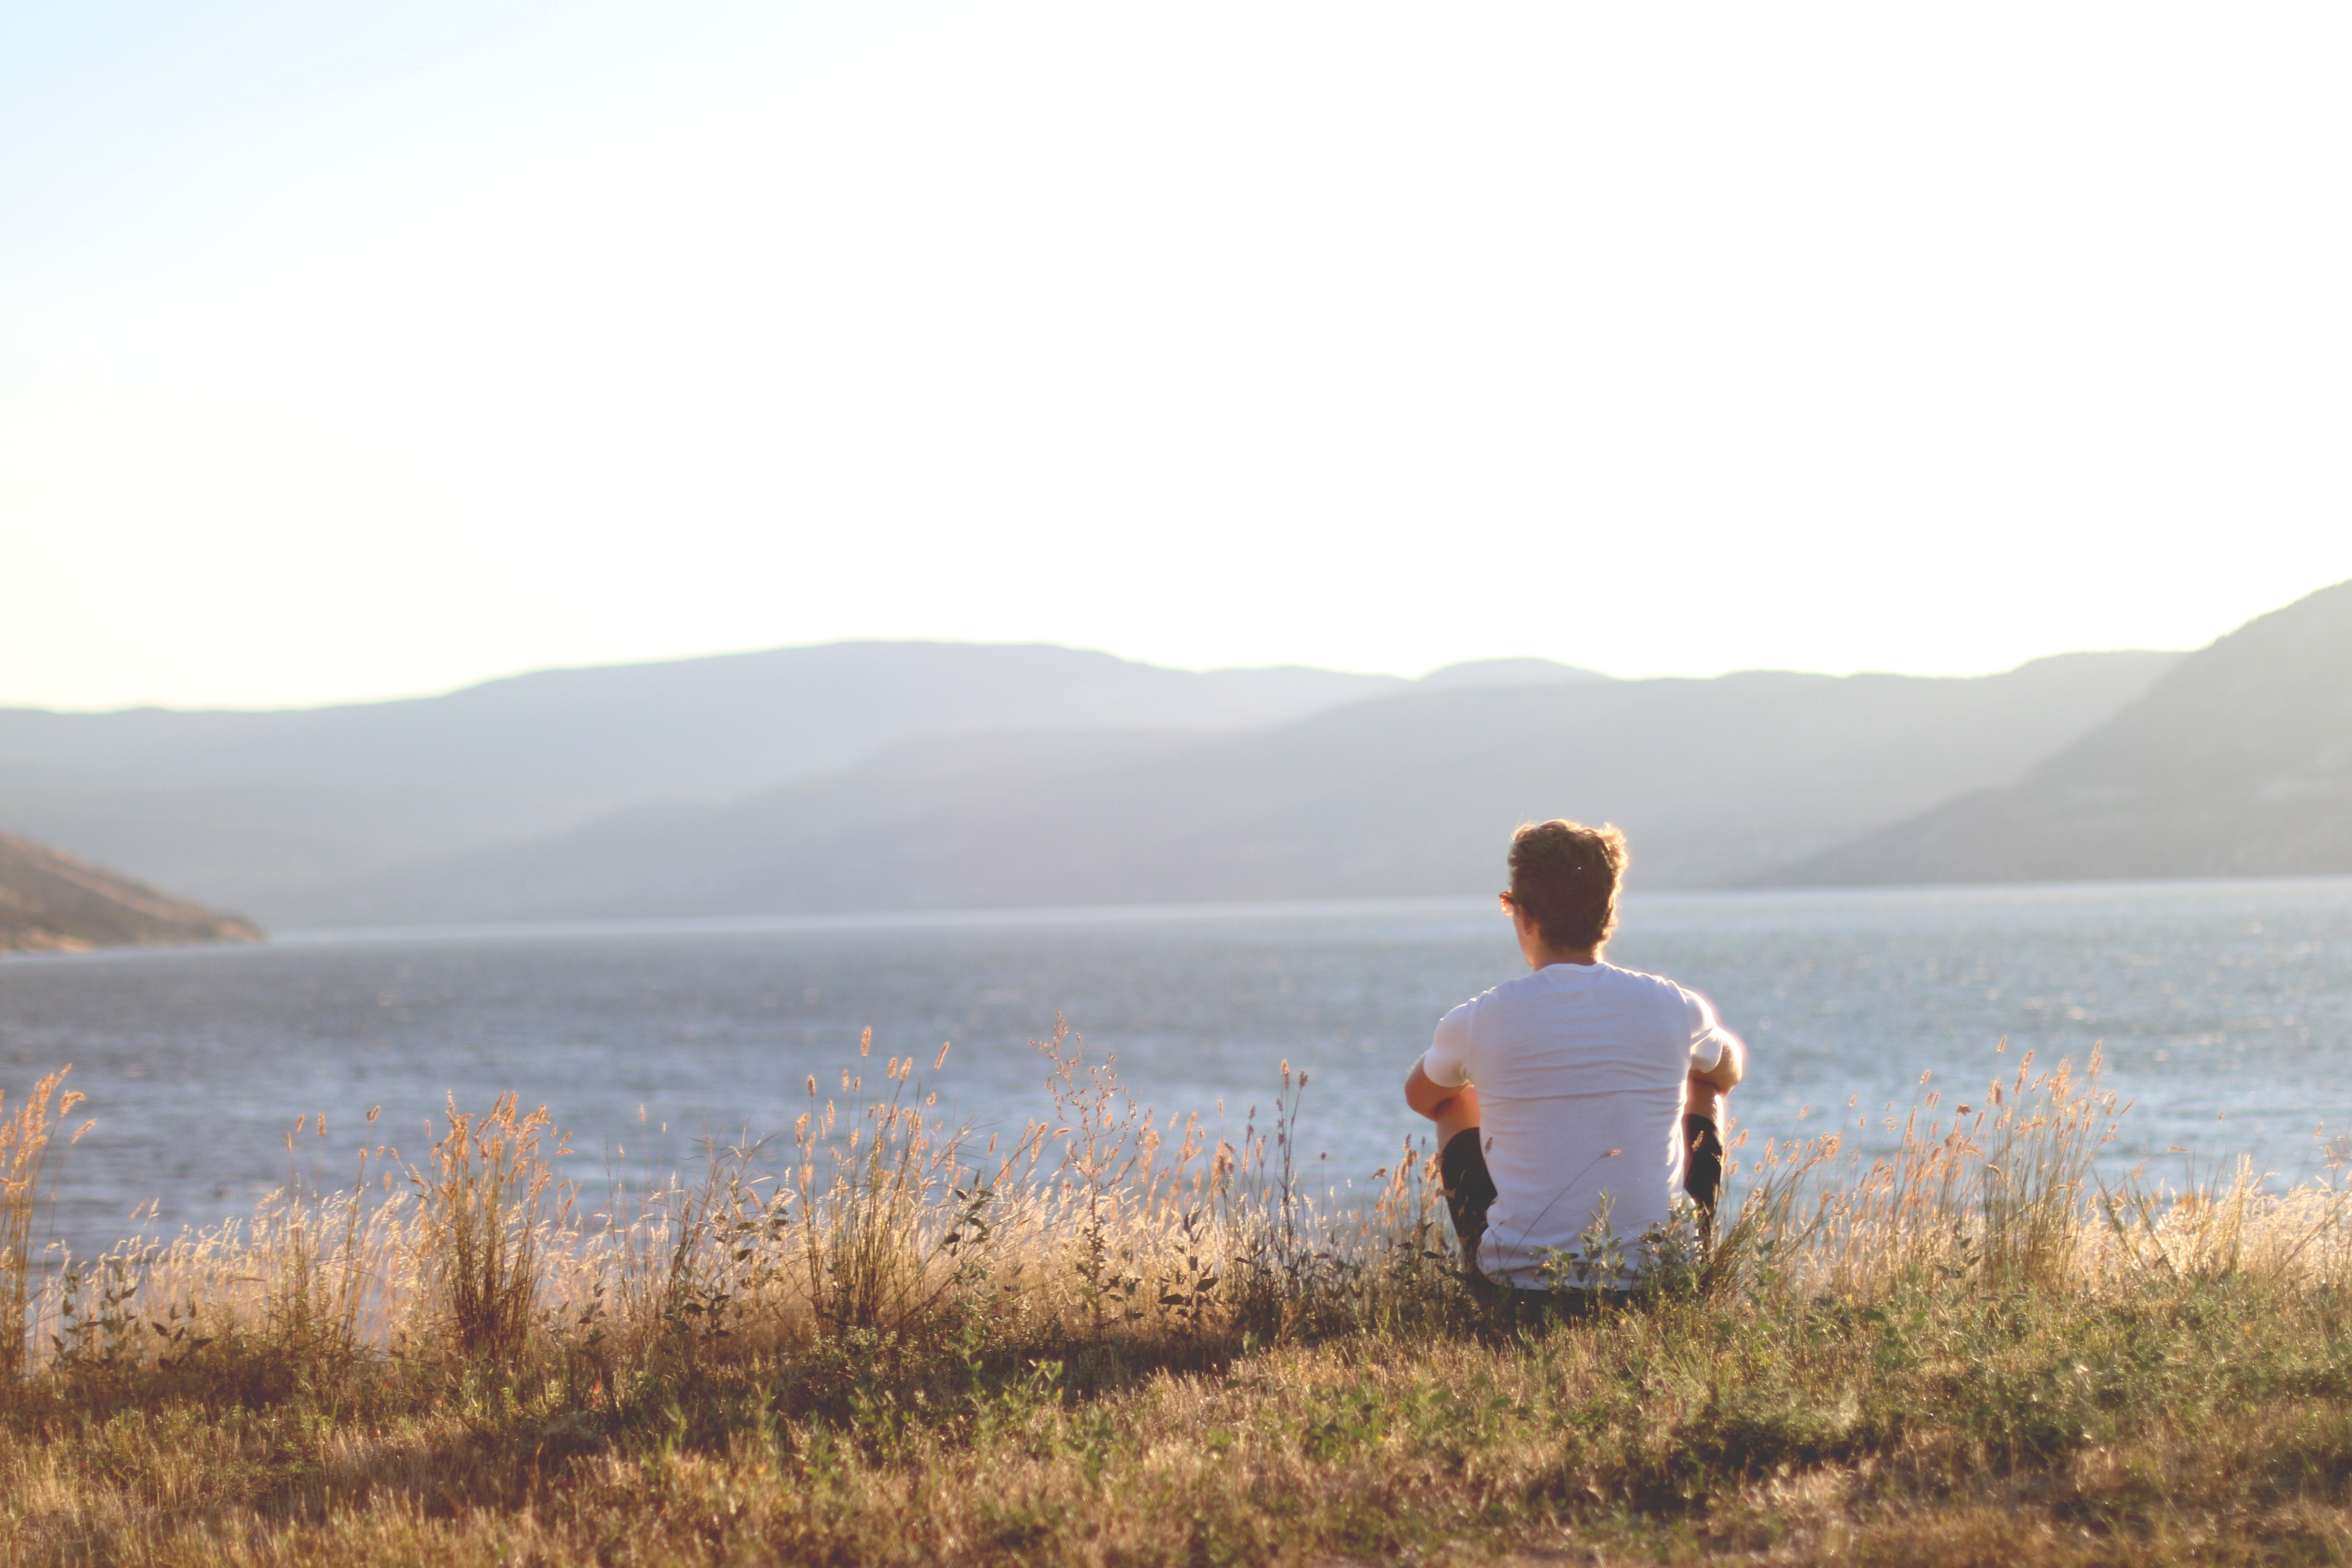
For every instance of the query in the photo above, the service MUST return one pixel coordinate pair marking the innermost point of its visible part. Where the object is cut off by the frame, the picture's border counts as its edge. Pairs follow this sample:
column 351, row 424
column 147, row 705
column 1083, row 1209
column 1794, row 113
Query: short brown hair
column 1565, row 876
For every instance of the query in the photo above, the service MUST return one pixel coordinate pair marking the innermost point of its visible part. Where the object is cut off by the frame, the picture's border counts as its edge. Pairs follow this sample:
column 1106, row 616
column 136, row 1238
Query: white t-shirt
column 1572, row 1062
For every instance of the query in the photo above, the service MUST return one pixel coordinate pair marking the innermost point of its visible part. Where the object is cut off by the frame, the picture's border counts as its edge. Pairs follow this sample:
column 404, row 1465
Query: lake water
column 2225, row 1009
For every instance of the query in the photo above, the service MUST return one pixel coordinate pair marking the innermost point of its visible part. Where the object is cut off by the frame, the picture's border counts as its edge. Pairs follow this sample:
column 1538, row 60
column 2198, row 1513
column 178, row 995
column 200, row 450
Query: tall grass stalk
column 486, row 1225
column 25, row 1139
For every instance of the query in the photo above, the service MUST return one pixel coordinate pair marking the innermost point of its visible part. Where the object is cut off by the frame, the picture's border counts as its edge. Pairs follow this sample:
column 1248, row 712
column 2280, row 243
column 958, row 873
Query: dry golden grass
column 1114, row 1340
column 25, row 1141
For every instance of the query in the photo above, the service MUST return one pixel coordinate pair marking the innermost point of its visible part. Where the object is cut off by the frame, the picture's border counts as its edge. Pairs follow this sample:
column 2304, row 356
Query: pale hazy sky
column 368, row 350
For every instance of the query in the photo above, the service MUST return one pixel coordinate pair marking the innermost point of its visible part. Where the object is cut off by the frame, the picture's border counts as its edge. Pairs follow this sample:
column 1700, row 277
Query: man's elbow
column 1423, row 1096
column 1730, row 1068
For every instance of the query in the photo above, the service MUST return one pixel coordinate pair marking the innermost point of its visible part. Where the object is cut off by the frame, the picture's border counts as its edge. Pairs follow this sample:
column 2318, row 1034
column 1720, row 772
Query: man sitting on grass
column 1572, row 1103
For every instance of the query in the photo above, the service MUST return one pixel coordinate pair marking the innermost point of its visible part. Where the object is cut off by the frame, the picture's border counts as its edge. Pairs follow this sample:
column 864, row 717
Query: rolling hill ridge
column 249, row 809
column 51, row 902
column 2237, row 762
column 1717, row 782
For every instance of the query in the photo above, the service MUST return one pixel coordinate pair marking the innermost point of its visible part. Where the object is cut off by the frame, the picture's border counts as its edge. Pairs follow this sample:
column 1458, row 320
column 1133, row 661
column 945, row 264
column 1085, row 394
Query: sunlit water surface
column 2225, row 1008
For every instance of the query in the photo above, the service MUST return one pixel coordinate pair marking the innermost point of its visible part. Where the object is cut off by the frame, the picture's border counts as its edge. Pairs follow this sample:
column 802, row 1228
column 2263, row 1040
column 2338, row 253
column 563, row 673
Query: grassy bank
column 1117, row 1340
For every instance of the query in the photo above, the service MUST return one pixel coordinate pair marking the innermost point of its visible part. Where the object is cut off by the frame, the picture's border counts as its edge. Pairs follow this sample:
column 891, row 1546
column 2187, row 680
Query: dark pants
column 1470, row 1188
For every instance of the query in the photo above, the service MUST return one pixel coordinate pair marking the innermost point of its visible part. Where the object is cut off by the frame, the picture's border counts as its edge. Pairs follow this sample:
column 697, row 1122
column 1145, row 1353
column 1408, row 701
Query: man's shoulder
column 1501, row 991
column 1555, row 979
column 1557, row 984
column 1617, row 975
column 1458, row 1015
column 1637, row 982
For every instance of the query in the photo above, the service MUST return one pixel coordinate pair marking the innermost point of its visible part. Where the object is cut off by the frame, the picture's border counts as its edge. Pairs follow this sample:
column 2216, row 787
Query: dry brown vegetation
column 52, row 902
column 1115, row 1339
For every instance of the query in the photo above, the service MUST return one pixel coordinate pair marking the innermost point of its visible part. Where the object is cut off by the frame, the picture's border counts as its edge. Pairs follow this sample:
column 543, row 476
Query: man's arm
column 1730, row 1062
column 1710, row 1079
column 1454, row 1109
column 1423, row 1096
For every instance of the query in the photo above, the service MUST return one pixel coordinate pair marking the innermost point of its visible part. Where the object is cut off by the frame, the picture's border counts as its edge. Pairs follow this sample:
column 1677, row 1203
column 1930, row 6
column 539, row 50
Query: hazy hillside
column 2237, row 763
column 50, row 901
column 1716, row 780
column 246, row 807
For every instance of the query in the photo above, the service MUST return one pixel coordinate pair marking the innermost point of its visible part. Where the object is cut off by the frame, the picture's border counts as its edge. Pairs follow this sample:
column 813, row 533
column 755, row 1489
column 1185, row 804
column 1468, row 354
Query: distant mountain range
column 54, row 902
column 256, row 810
column 2237, row 763
column 909, row 775
column 1718, row 781
column 252, row 807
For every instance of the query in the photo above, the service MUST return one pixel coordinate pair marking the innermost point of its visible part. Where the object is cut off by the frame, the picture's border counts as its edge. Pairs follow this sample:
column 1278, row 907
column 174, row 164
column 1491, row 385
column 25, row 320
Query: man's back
column 1558, row 1099
column 1579, row 1069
